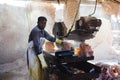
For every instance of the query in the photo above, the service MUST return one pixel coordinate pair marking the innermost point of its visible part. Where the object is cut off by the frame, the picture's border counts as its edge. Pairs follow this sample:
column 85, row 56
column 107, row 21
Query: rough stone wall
column 38, row 8
column 69, row 12
column 13, row 42
column 13, row 31
column 110, row 7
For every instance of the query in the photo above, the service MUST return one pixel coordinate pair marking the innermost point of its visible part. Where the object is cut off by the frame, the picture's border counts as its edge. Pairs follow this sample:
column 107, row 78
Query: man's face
column 42, row 24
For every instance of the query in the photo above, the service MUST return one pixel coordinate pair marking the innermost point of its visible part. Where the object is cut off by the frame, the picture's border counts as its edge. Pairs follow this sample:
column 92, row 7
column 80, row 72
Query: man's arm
column 52, row 39
column 49, row 37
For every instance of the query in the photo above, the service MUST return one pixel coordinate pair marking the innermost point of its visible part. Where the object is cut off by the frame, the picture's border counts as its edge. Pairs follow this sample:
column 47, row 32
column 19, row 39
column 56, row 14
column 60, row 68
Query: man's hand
column 59, row 41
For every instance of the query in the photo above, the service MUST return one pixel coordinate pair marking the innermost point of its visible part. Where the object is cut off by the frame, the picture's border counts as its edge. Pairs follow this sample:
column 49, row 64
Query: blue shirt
column 35, row 36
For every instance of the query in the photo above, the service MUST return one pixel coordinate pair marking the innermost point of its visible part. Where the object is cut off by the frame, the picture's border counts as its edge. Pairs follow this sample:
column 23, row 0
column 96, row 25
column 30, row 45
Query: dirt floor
column 16, row 70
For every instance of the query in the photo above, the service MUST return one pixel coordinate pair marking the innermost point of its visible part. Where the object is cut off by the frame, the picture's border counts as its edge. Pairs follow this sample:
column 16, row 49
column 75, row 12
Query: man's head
column 42, row 22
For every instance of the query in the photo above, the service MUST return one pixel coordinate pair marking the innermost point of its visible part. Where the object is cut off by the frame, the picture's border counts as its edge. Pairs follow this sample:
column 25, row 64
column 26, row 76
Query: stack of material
column 109, row 72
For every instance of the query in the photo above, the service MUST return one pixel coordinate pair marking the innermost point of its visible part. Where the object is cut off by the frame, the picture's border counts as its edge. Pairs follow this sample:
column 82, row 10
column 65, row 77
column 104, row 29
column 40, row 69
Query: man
column 35, row 57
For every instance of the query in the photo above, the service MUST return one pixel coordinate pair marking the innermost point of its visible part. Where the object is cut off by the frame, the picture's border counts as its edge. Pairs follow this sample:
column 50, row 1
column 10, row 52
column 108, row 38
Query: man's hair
column 42, row 18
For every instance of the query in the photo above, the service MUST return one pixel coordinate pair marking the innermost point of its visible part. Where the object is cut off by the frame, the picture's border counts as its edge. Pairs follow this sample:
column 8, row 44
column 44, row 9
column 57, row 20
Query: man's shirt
column 36, row 35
